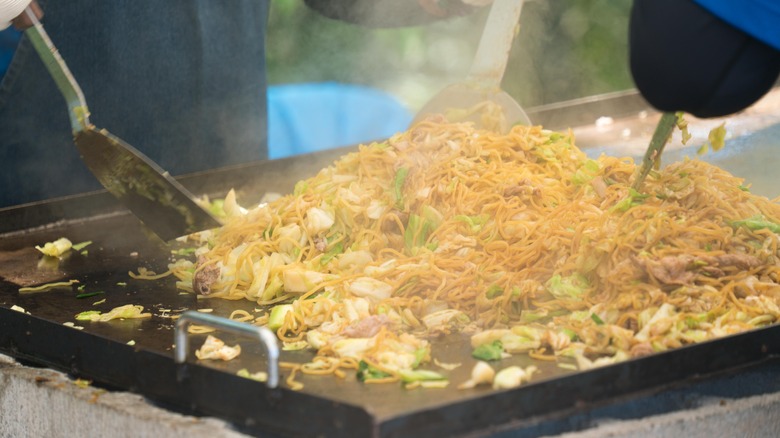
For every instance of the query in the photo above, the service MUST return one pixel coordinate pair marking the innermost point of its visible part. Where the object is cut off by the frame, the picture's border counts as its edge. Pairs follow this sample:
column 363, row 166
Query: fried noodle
column 519, row 238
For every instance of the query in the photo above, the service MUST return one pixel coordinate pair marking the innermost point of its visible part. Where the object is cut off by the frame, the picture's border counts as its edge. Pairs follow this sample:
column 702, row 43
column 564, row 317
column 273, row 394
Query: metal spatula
column 149, row 192
column 479, row 98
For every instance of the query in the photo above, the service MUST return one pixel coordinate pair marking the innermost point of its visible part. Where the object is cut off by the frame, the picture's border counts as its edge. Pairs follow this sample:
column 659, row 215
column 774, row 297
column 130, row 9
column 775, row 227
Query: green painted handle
column 660, row 137
column 74, row 97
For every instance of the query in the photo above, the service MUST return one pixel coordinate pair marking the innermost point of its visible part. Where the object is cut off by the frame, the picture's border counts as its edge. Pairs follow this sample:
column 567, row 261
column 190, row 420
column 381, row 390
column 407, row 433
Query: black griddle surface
column 327, row 406
column 331, row 406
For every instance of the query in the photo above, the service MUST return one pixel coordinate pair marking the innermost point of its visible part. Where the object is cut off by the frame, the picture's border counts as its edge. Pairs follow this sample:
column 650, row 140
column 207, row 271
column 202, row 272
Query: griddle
column 327, row 405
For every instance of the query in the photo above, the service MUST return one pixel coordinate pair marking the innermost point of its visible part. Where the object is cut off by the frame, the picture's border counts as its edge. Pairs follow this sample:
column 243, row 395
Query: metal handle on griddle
column 262, row 334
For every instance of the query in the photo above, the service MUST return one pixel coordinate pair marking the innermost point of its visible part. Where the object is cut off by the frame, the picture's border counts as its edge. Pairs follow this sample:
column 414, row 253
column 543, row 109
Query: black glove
column 683, row 58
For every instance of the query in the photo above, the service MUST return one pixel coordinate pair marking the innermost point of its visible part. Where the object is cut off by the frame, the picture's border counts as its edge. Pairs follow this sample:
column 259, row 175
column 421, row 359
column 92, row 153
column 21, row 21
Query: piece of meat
column 741, row 261
column 641, row 349
column 367, row 327
column 204, row 278
column 670, row 269
column 682, row 269
column 631, row 324
column 391, row 225
column 523, row 187
column 320, row 243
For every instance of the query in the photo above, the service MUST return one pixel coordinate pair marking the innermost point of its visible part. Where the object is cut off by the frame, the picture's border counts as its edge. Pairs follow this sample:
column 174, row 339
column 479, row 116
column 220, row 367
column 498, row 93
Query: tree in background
column 564, row 50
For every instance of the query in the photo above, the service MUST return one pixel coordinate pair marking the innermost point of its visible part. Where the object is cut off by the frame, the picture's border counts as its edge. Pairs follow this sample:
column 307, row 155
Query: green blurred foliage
column 564, row 50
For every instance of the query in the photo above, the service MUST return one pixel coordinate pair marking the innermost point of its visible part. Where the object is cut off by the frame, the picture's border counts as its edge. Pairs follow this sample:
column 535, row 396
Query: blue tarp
column 305, row 118
column 9, row 38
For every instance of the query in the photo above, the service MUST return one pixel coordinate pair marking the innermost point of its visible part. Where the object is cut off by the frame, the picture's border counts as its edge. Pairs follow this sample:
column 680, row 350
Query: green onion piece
column 259, row 376
column 398, row 185
column 622, row 206
column 89, row 294
column 87, row 316
column 276, row 318
column 494, row 291
column 300, row 187
column 634, row 198
column 217, row 208
column 419, row 375
column 417, row 231
column 586, row 172
column 596, row 319
column 184, row 251
column 492, row 351
column 571, row 334
column 757, row 222
column 432, row 215
column 419, row 356
column 333, row 252
column 367, row 372
column 692, row 322
column 82, row 245
column 475, row 223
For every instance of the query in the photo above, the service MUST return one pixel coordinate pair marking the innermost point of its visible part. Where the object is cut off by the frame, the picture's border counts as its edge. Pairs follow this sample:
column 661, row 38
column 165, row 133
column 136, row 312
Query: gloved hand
column 684, row 58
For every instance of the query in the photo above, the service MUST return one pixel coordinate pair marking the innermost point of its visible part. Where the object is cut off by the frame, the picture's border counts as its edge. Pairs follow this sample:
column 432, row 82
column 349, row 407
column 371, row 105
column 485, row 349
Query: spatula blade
column 479, row 99
column 150, row 193
column 492, row 109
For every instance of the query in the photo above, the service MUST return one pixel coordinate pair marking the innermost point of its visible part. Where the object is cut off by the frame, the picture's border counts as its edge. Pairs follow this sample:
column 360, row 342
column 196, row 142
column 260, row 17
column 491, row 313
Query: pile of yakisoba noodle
column 518, row 240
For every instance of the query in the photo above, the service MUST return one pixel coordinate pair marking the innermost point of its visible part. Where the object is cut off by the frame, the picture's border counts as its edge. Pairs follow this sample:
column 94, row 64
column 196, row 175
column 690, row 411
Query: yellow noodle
column 518, row 230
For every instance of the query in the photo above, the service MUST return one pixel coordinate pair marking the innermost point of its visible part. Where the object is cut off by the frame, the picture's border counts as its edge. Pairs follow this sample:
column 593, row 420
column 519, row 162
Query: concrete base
column 45, row 403
column 753, row 417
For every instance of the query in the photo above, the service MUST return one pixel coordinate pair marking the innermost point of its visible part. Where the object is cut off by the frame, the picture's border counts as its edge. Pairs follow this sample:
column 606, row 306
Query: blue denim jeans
column 181, row 80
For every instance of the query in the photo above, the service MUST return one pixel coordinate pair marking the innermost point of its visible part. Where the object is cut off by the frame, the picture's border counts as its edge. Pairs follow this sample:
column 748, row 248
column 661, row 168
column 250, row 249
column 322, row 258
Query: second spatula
column 479, row 98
